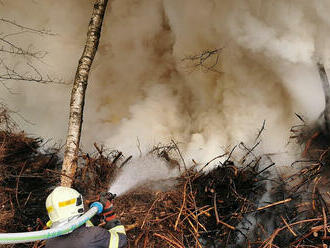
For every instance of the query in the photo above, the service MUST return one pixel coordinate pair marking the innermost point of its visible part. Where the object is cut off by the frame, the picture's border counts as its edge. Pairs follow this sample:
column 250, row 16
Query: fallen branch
column 274, row 204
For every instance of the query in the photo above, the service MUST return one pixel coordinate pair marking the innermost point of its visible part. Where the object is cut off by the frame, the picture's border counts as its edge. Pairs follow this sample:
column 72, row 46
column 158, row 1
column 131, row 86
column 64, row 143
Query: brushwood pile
column 237, row 203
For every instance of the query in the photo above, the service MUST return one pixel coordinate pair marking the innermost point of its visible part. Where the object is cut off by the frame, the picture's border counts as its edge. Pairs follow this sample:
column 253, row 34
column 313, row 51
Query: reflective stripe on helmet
column 66, row 203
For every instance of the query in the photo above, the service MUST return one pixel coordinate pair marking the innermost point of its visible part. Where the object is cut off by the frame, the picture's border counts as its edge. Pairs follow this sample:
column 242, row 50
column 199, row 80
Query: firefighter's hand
column 106, row 198
column 108, row 212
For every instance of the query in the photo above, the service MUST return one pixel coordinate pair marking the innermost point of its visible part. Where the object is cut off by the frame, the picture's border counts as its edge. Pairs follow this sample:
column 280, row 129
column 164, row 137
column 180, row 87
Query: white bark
column 78, row 93
column 326, row 89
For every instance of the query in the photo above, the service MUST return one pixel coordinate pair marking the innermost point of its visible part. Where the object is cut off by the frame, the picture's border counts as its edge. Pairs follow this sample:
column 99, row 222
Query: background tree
column 78, row 93
column 326, row 90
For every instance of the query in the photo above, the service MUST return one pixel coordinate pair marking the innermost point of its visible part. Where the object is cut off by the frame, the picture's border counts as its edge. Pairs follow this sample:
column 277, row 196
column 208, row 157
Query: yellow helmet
column 63, row 204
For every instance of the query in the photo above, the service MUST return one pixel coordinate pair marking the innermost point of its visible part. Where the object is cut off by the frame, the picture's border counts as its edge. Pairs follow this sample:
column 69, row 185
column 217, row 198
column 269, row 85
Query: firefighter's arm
column 118, row 237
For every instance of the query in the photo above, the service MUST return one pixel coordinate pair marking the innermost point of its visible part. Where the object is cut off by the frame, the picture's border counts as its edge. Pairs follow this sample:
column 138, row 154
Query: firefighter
column 66, row 204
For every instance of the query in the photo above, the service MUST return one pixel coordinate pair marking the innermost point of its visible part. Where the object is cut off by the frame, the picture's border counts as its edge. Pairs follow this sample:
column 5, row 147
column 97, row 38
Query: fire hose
column 25, row 237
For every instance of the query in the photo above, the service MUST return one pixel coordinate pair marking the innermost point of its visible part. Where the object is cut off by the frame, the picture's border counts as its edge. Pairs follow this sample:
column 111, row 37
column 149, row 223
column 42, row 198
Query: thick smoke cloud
column 208, row 111
column 142, row 92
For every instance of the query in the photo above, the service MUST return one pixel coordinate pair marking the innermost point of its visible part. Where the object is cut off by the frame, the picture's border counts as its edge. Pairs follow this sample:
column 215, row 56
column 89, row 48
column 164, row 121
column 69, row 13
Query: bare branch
column 14, row 49
column 260, row 131
column 207, row 60
column 32, row 75
column 37, row 31
column 18, row 63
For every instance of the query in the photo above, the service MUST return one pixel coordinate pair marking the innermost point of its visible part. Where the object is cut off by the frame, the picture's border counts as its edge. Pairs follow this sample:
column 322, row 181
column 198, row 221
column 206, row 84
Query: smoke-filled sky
column 142, row 91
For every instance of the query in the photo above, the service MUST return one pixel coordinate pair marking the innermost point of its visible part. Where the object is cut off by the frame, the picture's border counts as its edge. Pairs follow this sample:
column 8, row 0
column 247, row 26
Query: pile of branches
column 29, row 174
column 207, row 210
column 310, row 227
column 26, row 176
column 306, row 223
column 30, row 169
column 203, row 209
column 97, row 170
column 236, row 204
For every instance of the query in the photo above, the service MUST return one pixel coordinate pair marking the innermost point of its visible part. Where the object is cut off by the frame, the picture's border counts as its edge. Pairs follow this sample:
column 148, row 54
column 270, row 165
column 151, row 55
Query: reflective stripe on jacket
column 91, row 237
column 117, row 237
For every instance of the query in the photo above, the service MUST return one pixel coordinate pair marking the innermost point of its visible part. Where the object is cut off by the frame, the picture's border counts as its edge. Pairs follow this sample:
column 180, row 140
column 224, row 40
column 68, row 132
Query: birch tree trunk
column 78, row 93
column 326, row 89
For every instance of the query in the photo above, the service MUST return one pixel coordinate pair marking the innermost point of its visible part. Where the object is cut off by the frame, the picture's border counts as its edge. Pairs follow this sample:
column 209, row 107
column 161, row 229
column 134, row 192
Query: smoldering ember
column 192, row 123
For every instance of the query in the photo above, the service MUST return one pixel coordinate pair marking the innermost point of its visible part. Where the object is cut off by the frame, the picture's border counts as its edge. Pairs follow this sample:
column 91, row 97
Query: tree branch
column 207, row 60
column 38, row 31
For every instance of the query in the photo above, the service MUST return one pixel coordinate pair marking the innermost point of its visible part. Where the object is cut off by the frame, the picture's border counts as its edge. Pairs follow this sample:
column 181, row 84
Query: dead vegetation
column 97, row 171
column 29, row 171
column 26, row 173
column 227, row 207
column 206, row 61
column 236, row 204
column 201, row 208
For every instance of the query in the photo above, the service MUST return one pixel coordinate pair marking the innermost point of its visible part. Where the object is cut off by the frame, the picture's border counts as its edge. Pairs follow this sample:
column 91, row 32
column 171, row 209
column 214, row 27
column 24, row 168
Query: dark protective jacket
column 91, row 237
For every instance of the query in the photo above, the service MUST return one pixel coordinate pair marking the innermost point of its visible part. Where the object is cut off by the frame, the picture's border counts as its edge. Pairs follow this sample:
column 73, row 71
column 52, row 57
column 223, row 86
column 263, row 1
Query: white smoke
column 141, row 89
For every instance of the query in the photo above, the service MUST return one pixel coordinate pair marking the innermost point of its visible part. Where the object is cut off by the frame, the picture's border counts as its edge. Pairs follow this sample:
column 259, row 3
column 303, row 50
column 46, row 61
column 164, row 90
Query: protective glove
column 108, row 213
